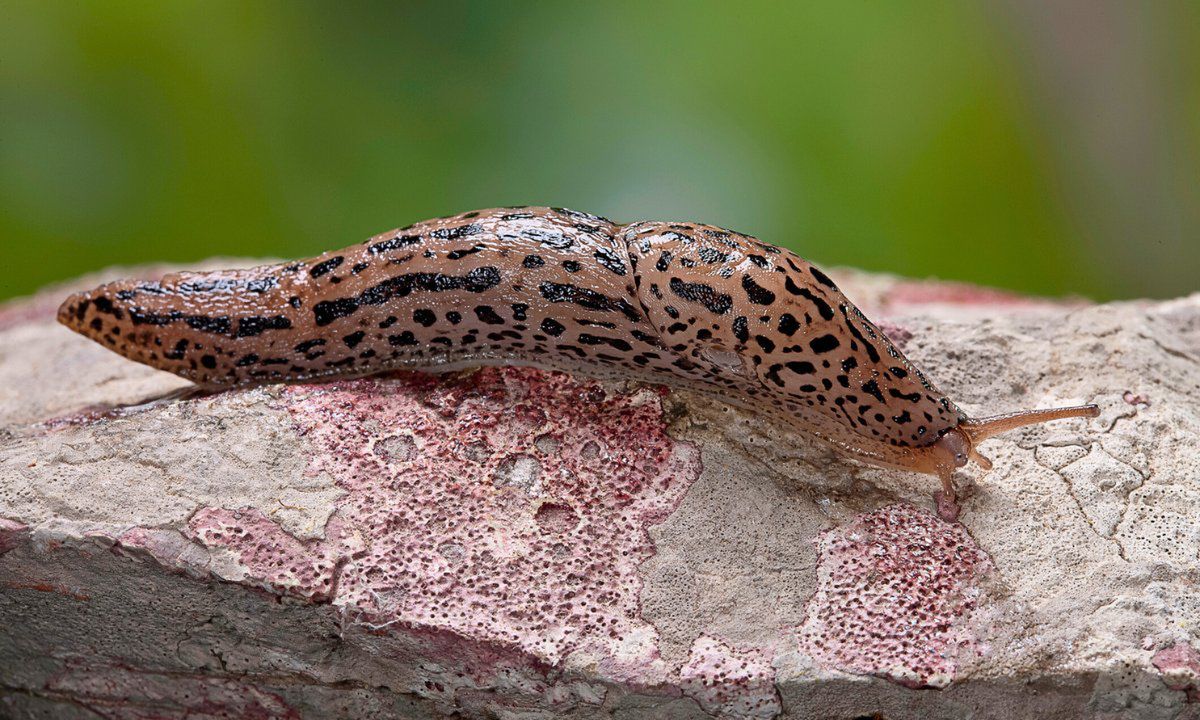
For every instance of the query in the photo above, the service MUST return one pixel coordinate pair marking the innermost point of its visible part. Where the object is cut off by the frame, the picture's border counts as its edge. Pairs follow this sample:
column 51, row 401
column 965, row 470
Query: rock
column 519, row 544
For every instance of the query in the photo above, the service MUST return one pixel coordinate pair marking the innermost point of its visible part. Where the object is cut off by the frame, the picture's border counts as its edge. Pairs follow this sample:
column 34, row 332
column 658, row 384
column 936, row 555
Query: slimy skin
column 678, row 303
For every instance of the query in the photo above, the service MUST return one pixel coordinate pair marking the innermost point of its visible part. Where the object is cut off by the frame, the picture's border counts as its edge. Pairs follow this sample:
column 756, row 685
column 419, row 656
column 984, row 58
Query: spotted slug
column 678, row 303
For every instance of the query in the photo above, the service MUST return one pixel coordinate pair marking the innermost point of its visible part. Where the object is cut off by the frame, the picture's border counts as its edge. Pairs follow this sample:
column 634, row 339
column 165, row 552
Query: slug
column 684, row 304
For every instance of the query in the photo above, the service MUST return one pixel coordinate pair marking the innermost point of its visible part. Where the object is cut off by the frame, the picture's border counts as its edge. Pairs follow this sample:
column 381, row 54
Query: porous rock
column 513, row 543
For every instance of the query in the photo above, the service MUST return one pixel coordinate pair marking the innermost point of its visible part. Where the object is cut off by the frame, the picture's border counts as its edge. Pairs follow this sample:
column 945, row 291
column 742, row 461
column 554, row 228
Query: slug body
column 681, row 303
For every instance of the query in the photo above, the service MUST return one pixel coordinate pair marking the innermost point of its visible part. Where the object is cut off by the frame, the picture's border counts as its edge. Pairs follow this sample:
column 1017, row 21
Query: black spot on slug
column 104, row 305
column 872, row 388
column 822, row 306
column 394, row 244
column 756, row 293
column 765, row 343
column 254, row 326
column 801, row 367
column 610, row 260
column 552, row 327
column 424, row 317
column 176, row 353
column 459, row 254
column 871, row 351
column 911, row 397
column 788, row 325
column 717, row 303
column 326, row 266
column 740, row 328
column 309, row 345
column 589, row 339
column 486, row 314
column 822, row 277
column 823, row 344
column 456, row 233
column 549, row 238
column 773, row 375
column 588, row 298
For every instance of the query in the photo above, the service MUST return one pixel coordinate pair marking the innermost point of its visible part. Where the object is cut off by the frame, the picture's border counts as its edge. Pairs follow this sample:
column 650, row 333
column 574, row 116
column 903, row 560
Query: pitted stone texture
column 290, row 544
column 262, row 553
column 896, row 591
column 425, row 538
column 730, row 682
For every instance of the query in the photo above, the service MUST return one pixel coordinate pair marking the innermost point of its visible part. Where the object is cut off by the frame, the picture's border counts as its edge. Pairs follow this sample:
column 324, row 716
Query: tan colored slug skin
column 679, row 303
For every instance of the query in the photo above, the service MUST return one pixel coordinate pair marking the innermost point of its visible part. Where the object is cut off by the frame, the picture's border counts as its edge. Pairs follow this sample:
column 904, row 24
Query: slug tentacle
column 679, row 303
column 980, row 429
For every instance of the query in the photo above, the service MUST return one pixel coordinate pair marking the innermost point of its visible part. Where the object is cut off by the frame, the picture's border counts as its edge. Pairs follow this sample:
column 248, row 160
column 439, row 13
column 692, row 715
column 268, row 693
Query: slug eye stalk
column 981, row 429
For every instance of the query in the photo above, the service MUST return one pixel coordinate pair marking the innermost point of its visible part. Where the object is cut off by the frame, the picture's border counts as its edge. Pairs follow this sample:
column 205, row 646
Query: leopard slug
column 679, row 303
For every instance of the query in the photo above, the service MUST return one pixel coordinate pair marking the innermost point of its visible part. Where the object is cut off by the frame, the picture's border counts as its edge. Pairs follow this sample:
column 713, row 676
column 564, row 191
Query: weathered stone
column 514, row 543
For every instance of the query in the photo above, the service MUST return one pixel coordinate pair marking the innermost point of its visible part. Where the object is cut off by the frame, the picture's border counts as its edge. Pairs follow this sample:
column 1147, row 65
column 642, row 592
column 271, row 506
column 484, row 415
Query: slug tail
column 981, row 429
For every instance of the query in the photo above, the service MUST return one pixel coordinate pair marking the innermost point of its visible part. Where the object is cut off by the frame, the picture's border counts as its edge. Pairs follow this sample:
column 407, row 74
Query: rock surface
column 518, row 544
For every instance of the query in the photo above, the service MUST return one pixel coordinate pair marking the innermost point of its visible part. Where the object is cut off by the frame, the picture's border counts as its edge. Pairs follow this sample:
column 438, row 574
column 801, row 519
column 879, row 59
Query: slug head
column 957, row 446
column 952, row 450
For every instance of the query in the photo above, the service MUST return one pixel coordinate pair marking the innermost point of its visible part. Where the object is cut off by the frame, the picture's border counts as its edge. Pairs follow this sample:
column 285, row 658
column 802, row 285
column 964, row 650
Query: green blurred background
column 1049, row 148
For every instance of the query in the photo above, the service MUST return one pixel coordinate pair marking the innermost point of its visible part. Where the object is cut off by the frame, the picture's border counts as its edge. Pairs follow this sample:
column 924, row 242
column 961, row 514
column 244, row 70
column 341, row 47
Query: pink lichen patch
column 896, row 589
column 730, row 682
column 910, row 293
column 272, row 558
column 167, row 547
column 1180, row 667
column 111, row 690
column 555, row 517
column 510, row 506
column 898, row 334
column 12, row 534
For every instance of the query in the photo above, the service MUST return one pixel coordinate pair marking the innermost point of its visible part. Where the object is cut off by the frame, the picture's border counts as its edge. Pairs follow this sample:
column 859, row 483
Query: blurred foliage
column 915, row 138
